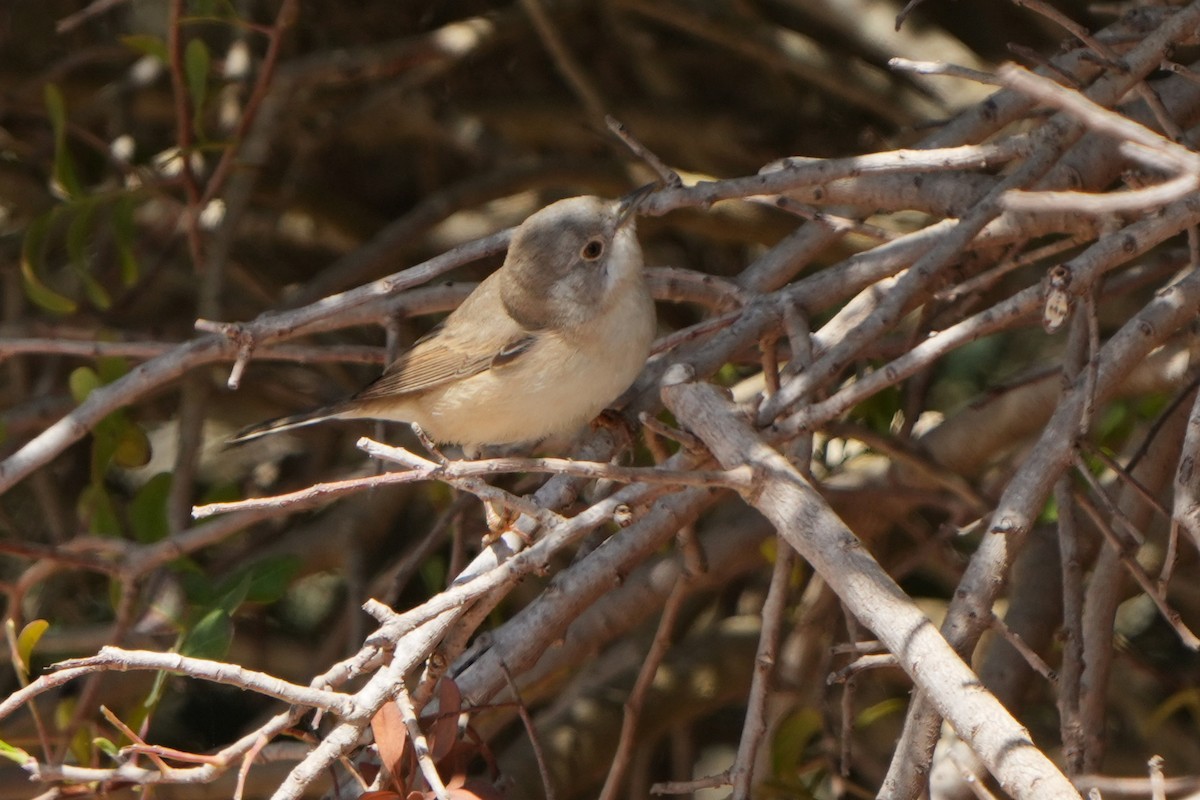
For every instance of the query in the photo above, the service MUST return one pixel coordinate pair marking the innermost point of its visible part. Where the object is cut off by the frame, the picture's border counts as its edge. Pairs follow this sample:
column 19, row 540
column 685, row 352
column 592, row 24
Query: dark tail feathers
column 282, row 424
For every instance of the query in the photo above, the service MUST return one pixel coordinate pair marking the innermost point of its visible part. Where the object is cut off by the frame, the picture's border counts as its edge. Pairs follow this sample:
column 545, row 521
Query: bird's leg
column 620, row 428
column 499, row 521
column 429, row 444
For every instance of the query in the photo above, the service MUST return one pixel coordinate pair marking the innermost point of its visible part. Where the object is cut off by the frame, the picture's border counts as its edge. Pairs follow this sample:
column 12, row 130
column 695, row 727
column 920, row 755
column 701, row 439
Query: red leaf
column 449, row 697
column 391, row 738
column 444, row 732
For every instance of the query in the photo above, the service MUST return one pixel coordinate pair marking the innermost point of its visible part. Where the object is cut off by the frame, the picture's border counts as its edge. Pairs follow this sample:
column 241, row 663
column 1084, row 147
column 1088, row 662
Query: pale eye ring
column 592, row 250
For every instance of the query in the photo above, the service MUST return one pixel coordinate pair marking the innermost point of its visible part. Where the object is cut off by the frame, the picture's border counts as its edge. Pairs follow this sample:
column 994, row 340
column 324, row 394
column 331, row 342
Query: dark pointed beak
column 627, row 206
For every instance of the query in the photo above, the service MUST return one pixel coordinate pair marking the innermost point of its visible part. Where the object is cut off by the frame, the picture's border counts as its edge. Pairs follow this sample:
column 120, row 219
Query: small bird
column 541, row 346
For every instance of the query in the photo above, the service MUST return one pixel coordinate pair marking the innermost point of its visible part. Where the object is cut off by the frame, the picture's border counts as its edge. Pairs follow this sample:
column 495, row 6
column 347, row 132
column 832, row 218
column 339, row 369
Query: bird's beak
column 627, row 206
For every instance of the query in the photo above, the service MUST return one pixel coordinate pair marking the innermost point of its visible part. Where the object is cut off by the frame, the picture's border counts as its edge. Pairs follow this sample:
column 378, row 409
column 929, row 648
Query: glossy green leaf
column 14, row 753
column 30, row 635
column 65, row 179
column 106, row 746
column 148, row 509
column 33, row 251
column 270, row 578
column 83, row 381
column 133, row 446
column 210, row 637
column 884, row 708
column 232, row 591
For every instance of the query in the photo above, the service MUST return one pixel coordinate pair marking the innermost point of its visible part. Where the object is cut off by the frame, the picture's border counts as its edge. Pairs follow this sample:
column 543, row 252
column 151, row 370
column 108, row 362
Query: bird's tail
column 283, row 424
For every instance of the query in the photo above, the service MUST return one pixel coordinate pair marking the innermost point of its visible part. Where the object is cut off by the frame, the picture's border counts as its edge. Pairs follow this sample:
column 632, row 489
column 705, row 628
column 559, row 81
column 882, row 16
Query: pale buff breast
column 556, row 388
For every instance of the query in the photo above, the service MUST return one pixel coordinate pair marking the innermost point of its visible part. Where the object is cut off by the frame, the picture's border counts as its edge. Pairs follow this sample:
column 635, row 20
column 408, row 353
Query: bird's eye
column 592, row 250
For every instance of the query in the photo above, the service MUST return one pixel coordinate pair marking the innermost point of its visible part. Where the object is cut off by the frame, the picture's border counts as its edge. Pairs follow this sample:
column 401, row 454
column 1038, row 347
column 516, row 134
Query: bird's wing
column 478, row 335
column 436, row 362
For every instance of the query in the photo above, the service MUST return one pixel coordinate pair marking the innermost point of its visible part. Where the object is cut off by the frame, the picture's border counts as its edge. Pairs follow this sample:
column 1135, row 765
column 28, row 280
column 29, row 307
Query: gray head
column 566, row 260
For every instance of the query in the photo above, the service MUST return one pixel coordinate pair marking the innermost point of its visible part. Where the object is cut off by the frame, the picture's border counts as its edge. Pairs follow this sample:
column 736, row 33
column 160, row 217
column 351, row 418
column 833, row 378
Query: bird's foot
column 429, row 445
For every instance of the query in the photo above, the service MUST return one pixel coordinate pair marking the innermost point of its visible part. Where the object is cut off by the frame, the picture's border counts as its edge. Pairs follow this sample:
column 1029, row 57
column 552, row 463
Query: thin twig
column 461, row 473
column 93, row 9
column 627, row 741
column 942, row 68
column 420, row 743
column 1124, row 549
column 754, row 729
column 688, row 787
column 564, row 61
column 668, row 176
column 531, row 730
column 1031, row 658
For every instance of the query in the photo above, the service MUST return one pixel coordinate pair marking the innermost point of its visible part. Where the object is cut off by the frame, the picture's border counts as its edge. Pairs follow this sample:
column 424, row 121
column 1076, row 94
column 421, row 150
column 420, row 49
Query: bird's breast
column 562, row 382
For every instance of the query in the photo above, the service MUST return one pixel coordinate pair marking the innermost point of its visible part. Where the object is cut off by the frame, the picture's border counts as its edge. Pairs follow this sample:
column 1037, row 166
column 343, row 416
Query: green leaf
column 433, row 573
column 879, row 410
column 884, row 708
column 33, row 253
column 110, row 368
column 79, row 235
column 105, row 437
column 30, row 635
column 197, row 586
column 95, row 292
column 97, row 511
column 83, row 381
column 196, row 62
column 156, row 690
column 147, row 45
column 106, row 746
column 233, row 591
column 132, row 448
column 210, row 637
column 792, row 738
column 64, row 710
column 123, row 237
column 64, row 179
column 81, row 745
column 148, row 509
column 270, row 577
column 14, row 753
